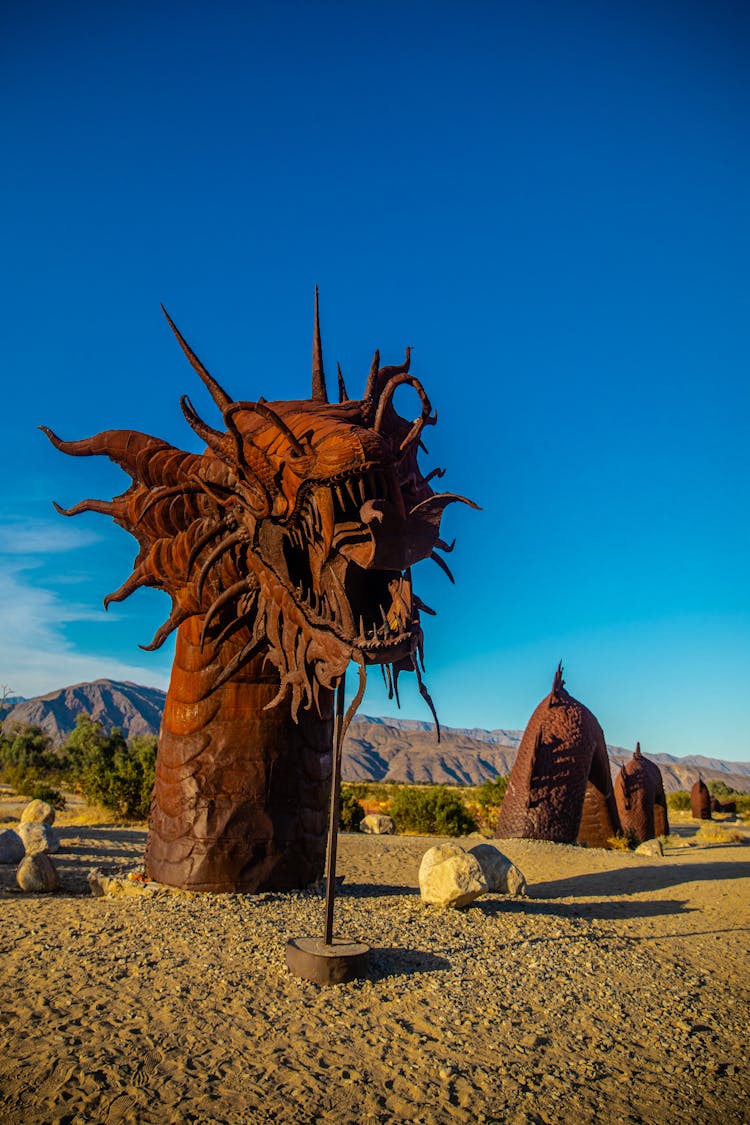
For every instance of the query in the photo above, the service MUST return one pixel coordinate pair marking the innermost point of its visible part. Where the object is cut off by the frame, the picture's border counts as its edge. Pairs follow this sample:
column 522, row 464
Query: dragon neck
column 240, row 795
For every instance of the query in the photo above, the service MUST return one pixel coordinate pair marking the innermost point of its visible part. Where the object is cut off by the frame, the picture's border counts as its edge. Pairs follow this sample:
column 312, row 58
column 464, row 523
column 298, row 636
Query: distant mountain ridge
column 375, row 749
column 135, row 709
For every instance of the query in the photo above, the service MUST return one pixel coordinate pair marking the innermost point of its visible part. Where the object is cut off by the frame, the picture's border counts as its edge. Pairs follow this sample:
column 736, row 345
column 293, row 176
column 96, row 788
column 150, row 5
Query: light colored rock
column 38, row 812
column 112, row 886
column 436, row 855
column 500, row 874
column 11, row 847
column 650, row 847
column 38, row 838
column 449, row 876
column 378, row 825
column 38, row 874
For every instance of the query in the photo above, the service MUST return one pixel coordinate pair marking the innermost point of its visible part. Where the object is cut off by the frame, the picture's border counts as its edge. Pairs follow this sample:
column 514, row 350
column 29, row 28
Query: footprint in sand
column 122, row 1108
column 146, row 1067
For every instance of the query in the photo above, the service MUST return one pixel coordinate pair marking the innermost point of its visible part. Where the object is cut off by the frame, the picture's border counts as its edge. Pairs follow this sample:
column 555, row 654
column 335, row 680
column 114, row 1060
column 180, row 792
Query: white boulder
column 12, row 849
column 38, row 837
column 38, row 812
column 650, row 847
column 449, row 876
column 38, row 874
column 500, row 873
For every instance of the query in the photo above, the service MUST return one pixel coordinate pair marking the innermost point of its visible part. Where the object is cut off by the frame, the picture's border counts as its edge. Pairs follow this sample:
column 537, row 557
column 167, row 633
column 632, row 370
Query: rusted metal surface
column 286, row 547
column 333, row 962
column 641, row 800
column 700, row 800
column 560, row 787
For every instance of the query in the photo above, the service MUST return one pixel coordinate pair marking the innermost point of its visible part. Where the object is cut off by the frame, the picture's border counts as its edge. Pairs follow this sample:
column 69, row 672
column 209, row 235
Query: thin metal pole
column 333, row 821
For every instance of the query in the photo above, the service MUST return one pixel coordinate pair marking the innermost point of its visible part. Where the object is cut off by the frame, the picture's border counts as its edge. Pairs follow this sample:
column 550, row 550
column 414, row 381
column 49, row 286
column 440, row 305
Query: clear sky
column 549, row 201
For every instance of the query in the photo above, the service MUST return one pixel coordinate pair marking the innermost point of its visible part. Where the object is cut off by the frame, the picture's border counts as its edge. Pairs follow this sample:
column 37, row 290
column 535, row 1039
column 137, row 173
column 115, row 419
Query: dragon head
column 294, row 532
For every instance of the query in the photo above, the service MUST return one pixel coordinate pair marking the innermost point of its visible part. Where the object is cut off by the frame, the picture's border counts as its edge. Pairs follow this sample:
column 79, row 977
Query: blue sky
column 547, row 200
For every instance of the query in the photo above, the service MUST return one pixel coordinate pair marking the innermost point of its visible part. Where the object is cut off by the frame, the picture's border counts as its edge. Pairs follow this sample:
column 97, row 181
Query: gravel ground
column 616, row 992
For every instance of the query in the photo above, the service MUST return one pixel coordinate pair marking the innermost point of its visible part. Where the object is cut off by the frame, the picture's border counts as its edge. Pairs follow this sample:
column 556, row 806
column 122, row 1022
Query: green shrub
column 46, row 793
column 25, row 757
column 720, row 789
column 24, row 752
column 742, row 801
column 380, row 791
column 105, row 768
column 351, row 813
column 431, row 811
column 108, row 770
column 491, row 792
column 679, row 801
column 623, row 841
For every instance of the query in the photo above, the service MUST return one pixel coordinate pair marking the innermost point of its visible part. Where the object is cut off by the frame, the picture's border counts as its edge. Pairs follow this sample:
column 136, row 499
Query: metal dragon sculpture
column 560, row 787
column 641, row 800
column 700, row 800
column 286, row 548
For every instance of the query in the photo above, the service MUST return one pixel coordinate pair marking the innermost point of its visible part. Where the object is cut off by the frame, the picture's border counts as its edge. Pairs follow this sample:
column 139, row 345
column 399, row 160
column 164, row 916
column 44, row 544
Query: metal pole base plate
column 340, row 961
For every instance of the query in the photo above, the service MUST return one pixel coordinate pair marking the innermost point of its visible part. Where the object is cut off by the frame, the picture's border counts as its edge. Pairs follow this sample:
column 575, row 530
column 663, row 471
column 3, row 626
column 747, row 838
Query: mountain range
column 375, row 749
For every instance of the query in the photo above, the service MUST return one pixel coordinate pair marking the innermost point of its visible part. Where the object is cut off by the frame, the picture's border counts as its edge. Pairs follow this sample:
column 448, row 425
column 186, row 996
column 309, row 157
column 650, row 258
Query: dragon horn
column 319, row 392
column 372, row 377
column 218, row 394
column 343, row 396
column 213, row 438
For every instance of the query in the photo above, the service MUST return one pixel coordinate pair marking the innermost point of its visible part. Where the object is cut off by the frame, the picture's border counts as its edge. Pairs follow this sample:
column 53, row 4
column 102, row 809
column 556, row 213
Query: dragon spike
column 637, row 753
column 558, row 683
column 387, row 373
column 214, row 439
column 372, row 378
column 319, row 392
column 427, row 698
column 343, row 396
column 218, row 394
column 443, row 566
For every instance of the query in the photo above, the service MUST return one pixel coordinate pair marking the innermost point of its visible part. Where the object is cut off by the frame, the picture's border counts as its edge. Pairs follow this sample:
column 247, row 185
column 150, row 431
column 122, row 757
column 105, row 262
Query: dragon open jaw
column 328, row 549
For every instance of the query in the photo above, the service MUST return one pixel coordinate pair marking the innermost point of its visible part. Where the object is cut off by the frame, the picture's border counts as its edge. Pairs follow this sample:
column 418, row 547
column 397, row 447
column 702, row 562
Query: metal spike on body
column 319, row 392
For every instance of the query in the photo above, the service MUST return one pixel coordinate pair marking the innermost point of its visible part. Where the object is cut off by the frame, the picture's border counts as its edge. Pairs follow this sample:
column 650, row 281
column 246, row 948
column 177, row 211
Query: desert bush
column 714, row 834
column 25, row 757
column 104, row 768
column 742, row 801
column 623, row 841
column 491, row 792
column 351, row 813
column 373, row 791
column 485, row 801
column 678, row 801
column 720, row 789
column 431, row 810
column 109, row 771
column 46, row 793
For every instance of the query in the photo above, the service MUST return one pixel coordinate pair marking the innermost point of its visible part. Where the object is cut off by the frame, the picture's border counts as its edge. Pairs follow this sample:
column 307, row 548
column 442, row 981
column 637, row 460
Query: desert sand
column 615, row 992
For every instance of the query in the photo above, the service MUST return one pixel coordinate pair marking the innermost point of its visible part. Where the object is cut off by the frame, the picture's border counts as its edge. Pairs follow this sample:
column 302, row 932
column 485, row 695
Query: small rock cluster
column 451, row 876
column 29, row 845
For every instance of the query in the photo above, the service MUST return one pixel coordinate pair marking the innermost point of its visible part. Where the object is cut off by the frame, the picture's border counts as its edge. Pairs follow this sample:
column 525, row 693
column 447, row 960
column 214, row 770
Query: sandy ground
column 616, row 992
